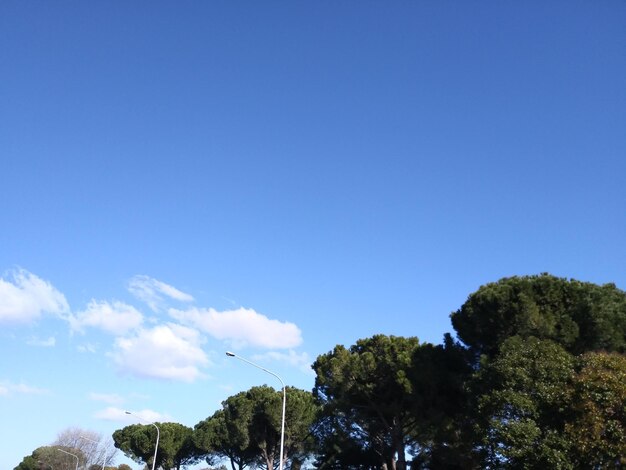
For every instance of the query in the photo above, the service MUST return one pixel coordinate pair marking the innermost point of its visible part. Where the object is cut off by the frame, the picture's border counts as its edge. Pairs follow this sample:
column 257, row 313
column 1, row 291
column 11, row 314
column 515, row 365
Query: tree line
column 535, row 377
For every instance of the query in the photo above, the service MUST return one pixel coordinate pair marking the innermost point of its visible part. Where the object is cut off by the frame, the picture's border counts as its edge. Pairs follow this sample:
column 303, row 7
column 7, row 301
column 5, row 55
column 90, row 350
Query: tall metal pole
column 69, row 453
column 104, row 462
column 282, row 426
column 156, row 447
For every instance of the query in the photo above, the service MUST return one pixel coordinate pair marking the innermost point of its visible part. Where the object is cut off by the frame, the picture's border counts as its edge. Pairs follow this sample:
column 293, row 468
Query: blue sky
column 179, row 179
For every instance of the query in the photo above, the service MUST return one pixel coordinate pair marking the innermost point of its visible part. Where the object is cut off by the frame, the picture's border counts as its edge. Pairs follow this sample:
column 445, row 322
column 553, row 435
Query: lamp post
column 104, row 462
column 156, row 447
column 69, row 453
column 282, row 426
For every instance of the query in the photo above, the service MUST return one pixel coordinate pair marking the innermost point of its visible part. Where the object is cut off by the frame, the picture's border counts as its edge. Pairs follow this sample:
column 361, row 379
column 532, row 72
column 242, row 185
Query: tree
column 386, row 397
column 49, row 457
column 579, row 316
column 597, row 424
column 542, row 385
column 344, row 445
column 302, row 412
column 176, row 448
column 91, row 444
column 439, row 375
column 247, row 429
column 224, row 435
column 521, row 399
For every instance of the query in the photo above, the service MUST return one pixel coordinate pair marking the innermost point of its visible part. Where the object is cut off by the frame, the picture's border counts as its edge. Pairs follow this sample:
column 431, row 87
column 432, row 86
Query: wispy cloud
column 24, row 297
column 42, row 343
column 300, row 360
column 152, row 292
column 117, row 414
column 241, row 327
column 110, row 398
column 8, row 388
column 116, row 317
column 163, row 352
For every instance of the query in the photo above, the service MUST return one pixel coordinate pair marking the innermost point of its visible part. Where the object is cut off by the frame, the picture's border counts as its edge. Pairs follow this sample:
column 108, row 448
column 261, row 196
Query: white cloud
column 25, row 297
column 43, row 343
column 242, row 327
column 8, row 388
column 141, row 417
column 111, row 398
column 151, row 291
column 117, row 317
column 300, row 360
column 163, row 352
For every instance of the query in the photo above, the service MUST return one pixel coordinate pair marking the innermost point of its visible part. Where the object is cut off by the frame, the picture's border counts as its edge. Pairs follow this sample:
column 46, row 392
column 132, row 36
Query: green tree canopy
column 224, row 435
column 597, row 423
column 176, row 448
column 386, row 396
column 49, row 457
column 366, row 392
column 247, row 429
column 521, row 396
column 579, row 316
column 538, row 406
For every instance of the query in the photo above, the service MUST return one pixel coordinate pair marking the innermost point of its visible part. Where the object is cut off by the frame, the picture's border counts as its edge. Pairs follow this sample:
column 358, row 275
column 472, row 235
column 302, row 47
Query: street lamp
column 69, row 453
column 282, row 427
column 156, row 447
column 104, row 462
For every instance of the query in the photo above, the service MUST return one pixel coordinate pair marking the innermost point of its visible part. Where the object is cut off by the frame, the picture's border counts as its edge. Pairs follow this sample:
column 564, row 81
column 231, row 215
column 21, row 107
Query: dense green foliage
column 579, row 316
column 176, row 448
column 47, row 457
column 519, row 397
column 386, row 395
column 247, row 430
column 548, row 391
column 597, row 424
column 366, row 391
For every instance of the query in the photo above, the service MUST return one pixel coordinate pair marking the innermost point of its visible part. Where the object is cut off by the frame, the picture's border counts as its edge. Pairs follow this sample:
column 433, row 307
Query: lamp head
column 230, row 354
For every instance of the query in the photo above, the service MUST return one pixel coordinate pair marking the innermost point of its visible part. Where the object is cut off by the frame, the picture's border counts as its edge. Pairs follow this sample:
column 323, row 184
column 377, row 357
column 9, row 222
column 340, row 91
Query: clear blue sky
column 182, row 178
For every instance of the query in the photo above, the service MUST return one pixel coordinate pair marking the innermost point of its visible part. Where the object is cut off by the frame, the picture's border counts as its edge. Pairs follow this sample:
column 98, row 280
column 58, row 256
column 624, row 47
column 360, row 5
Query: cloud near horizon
column 170, row 352
column 25, row 297
column 152, row 292
column 112, row 413
column 241, row 327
